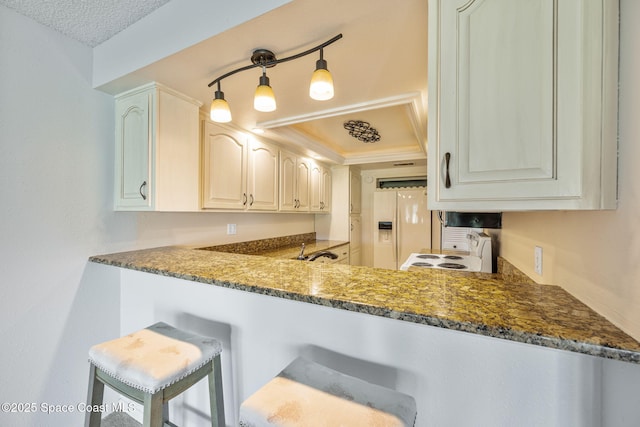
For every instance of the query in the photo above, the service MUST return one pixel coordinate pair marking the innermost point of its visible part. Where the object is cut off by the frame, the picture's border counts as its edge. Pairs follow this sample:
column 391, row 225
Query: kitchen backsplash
column 257, row 246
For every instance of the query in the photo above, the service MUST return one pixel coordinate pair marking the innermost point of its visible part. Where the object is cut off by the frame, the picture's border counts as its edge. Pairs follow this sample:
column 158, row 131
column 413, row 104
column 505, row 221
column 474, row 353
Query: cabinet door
column 355, row 232
column 288, row 177
column 355, row 240
column 262, row 181
column 510, row 103
column 355, row 191
column 303, row 174
column 315, row 193
column 177, row 173
column 355, row 257
column 326, row 190
column 133, row 186
column 225, row 168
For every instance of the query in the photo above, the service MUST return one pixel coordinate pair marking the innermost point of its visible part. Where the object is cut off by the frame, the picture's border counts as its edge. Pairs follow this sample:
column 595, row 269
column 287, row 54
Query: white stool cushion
column 155, row 357
column 308, row 394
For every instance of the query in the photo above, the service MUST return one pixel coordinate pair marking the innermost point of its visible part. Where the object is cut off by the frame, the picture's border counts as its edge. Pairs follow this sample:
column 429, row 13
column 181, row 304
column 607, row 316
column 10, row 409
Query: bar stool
column 152, row 366
column 308, row 394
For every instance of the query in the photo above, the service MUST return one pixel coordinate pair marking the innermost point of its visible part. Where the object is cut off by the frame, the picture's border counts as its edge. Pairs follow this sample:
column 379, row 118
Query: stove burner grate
column 452, row 265
column 422, row 264
column 427, row 256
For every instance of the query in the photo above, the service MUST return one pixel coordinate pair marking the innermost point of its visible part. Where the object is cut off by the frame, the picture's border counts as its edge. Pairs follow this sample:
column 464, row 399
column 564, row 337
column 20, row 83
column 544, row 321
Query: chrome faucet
column 317, row 255
column 302, row 257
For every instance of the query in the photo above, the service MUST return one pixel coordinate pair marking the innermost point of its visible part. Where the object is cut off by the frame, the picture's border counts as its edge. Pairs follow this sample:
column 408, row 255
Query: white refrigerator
column 402, row 225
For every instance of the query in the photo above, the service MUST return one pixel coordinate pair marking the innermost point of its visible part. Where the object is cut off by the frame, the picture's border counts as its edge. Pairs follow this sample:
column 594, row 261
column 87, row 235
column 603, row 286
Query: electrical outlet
column 537, row 260
column 231, row 229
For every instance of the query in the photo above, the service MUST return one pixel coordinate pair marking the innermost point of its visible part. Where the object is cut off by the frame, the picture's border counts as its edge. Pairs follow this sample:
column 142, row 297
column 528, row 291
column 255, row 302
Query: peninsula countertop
column 478, row 303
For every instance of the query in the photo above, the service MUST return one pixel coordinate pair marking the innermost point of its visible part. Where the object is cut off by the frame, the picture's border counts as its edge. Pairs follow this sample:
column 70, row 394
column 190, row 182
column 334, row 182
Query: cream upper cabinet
column 326, row 190
column 240, row 172
column 320, row 189
column 157, row 150
column 303, row 177
column 224, row 167
column 295, row 176
column 262, row 179
column 522, row 104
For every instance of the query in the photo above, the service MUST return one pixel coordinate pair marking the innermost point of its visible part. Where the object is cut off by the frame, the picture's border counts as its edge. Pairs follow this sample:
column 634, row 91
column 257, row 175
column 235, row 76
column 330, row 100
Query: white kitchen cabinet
column 320, row 189
column 522, row 104
column 262, row 179
column 355, row 193
column 240, row 172
column 355, row 239
column 157, row 150
column 224, row 167
column 295, row 175
column 342, row 224
column 327, row 183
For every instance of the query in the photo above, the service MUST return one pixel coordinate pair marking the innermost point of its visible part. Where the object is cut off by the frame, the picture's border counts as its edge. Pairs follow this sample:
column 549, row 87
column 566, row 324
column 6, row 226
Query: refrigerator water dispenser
column 385, row 229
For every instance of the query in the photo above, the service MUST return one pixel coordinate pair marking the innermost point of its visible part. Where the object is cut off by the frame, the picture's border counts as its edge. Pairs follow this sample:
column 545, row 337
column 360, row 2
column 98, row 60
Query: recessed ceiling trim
column 418, row 129
column 382, row 157
column 306, row 144
column 410, row 99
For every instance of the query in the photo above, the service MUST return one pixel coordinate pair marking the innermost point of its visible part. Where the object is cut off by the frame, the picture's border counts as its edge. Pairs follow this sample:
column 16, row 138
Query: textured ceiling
column 89, row 21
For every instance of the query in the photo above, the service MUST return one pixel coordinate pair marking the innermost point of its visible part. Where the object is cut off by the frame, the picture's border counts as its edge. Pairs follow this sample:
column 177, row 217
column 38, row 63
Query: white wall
column 56, row 173
column 190, row 21
column 595, row 255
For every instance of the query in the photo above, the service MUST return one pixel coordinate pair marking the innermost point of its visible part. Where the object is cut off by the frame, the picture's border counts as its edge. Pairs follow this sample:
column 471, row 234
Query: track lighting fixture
column 321, row 87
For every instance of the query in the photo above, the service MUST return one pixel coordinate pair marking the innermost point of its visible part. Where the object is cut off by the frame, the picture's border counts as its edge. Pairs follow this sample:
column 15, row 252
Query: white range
column 479, row 258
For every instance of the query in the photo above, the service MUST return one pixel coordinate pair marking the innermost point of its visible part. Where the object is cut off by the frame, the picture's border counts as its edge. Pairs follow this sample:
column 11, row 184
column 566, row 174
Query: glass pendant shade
column 264, row 99
column 321, row 87
column 220, row 112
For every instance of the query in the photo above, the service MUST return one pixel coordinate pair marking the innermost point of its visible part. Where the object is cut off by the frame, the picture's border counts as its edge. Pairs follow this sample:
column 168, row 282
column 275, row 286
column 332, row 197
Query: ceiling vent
column 404, row 182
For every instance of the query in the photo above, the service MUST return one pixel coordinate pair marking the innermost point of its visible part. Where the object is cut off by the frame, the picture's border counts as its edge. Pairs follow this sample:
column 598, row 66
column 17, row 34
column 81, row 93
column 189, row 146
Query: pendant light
column 321, row 87
column 220, row 111
column 264, row 100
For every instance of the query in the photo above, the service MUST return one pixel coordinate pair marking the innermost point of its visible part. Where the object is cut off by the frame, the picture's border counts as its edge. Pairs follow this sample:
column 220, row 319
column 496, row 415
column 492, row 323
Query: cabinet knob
column 447, row 179
column 251, row 199
column 144, row 184
column 244, row 199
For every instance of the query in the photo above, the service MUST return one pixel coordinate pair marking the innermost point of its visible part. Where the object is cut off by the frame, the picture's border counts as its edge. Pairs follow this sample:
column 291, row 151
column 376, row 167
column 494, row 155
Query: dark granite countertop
column 478, row 303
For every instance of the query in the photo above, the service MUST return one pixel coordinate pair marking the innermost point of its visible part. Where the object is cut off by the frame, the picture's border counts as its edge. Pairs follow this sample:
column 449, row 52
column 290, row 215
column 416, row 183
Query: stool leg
column 94, row 397
column 153, row 410
column 215, row 394
column 165, row 411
